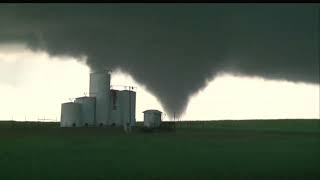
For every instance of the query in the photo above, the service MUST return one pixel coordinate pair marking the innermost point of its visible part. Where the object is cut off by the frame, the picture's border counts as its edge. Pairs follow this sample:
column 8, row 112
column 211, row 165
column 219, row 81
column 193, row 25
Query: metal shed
column 152, row 118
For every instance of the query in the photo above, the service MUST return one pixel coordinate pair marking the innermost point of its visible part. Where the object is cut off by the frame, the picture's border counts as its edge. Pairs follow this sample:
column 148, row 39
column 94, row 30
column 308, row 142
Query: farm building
column 152, row 118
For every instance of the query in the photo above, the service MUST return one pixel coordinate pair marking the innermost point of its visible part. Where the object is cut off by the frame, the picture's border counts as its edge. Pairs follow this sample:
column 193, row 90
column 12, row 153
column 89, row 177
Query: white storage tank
column 88, row 108
column 100, row 89
column 115, row 109
column 70, row 114
column 152, row 118
column 128, row 107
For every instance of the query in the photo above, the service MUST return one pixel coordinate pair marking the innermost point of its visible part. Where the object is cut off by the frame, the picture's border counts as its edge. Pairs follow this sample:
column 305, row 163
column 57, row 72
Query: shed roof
column 152, row 111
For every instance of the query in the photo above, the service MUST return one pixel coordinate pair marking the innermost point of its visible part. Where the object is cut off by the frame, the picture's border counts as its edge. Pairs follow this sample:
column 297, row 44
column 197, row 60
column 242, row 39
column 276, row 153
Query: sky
column 33, row 85
column 177, row 53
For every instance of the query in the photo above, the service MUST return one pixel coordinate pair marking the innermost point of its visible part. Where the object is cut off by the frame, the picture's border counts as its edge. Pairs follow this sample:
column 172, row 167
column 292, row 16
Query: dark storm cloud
column 174, row 49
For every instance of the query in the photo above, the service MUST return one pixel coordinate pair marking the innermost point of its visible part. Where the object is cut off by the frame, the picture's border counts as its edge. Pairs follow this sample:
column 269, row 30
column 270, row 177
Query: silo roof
column 71, row 103
column 84, row 97
column 127, row 90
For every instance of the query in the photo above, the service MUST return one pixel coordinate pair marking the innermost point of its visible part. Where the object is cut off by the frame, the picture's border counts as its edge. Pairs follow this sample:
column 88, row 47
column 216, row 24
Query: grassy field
column 261, row 149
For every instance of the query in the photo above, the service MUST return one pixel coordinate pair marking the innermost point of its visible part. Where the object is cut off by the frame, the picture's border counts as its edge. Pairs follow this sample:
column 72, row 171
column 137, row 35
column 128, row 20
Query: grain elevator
column 103, row 107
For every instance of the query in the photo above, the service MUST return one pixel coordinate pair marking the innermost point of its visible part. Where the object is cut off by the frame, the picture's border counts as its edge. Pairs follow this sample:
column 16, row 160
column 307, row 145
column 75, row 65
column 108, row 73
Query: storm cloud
column 174, row 49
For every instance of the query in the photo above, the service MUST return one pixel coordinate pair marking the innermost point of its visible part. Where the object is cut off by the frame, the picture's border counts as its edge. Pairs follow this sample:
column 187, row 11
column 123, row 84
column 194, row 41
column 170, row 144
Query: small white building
column 152, row 118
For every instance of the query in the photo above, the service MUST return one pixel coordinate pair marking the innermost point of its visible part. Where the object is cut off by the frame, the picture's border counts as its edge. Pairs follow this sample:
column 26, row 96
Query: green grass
column 275, row 149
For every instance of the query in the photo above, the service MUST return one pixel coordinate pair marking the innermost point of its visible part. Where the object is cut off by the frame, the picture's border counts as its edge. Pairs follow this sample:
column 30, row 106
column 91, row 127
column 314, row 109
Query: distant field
column 255, row 149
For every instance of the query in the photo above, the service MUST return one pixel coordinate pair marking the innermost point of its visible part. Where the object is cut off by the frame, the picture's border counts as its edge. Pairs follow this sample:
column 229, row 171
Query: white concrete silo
column 128, row 107
column 88, row 108
column 70, row 114
column 115, row 108
column 100, row 89
column 152, row 118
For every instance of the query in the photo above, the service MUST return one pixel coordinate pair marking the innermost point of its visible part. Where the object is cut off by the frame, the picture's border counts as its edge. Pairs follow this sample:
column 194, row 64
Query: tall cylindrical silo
column 100, row 89
column 115, row 109
column 70, row 114
column 88, row 110
column 128, row 107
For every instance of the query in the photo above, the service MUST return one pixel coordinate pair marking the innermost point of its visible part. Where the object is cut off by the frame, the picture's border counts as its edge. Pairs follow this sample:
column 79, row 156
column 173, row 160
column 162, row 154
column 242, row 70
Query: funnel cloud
column 174, row 49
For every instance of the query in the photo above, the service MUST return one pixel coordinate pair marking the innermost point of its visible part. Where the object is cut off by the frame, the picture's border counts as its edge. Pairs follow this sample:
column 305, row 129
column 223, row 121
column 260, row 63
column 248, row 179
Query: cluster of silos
column 103, row 107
